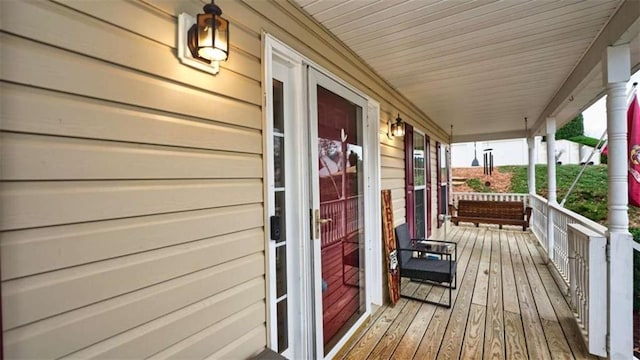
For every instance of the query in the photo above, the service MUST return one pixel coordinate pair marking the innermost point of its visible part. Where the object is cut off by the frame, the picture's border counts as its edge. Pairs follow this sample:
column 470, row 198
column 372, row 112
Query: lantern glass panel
column 213, row 36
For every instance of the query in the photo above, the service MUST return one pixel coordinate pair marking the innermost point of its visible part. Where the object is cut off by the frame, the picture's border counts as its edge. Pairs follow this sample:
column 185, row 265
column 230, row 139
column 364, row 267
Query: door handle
column 319, row 221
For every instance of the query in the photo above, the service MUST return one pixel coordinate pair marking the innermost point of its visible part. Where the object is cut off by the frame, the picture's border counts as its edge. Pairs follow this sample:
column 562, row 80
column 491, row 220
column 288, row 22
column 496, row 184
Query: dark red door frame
column 408, row 178
column 438, row 180
column 428, row 183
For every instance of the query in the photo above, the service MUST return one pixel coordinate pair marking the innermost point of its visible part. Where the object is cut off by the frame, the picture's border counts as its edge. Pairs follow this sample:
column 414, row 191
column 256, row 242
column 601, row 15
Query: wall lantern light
column 395, row 128
column 203, row 41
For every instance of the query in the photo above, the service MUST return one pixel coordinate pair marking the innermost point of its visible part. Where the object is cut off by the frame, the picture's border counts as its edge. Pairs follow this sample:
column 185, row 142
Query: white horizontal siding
column 59, row 70
column 37, row 111
column 33, row 298
column 34, row 203
column 74, row 330
column 132, row 201
column 28, row 252
column 56, row 158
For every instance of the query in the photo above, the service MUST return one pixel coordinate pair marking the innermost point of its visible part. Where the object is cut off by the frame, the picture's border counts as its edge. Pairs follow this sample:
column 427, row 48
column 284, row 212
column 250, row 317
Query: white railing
column 560, row 252
column 539, row 219
column 345, row 219
column 488, row 197
column 588, row 285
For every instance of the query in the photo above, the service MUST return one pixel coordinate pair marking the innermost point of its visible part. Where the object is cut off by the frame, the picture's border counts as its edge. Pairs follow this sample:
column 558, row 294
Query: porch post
column 531, row 171
column 551, row 182
column 616, row 73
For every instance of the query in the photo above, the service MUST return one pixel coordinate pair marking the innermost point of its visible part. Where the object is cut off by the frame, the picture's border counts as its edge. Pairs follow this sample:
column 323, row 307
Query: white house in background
column 514, row 152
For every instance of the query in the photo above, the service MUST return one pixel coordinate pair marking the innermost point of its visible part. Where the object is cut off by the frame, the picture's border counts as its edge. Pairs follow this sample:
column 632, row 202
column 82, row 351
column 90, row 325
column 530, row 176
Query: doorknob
column 319, row 222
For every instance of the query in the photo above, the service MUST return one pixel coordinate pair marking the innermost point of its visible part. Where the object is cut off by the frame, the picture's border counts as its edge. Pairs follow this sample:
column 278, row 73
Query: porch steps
column 458, row 180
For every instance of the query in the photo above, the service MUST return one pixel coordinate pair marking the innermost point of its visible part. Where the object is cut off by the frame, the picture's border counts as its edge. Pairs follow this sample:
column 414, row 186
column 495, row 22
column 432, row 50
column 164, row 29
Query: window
column 420, row 188
column 417, row 182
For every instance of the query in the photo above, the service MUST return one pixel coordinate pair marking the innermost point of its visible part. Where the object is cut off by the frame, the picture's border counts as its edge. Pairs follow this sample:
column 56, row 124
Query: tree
column 571, row 129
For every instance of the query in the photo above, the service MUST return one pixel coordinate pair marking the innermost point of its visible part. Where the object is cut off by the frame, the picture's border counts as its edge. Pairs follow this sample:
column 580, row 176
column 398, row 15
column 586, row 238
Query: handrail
column 601, row 229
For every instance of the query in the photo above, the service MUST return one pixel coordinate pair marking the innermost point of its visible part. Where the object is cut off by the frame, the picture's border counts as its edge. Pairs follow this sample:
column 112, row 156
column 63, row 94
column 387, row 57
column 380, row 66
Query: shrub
column 477, row 185
column 635, row 232
column 571, row 129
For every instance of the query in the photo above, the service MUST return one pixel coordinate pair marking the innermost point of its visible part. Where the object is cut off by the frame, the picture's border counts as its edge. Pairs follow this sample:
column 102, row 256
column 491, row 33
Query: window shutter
column 408, row 176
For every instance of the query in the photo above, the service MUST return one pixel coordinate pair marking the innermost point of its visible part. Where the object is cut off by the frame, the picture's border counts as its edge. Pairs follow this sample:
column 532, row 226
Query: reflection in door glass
column 340, row 155
column 283, row 331
column 280, row 213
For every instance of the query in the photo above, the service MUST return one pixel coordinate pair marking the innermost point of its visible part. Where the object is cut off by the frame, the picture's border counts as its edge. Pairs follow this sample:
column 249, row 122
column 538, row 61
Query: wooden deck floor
column 507, row 306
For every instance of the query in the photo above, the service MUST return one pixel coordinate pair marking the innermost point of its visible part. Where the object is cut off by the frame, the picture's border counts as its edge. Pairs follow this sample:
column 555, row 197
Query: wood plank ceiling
column 481, row 66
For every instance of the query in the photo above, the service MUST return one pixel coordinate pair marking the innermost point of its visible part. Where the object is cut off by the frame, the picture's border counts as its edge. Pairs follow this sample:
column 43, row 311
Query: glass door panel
column 339, row 191
column 279, row 300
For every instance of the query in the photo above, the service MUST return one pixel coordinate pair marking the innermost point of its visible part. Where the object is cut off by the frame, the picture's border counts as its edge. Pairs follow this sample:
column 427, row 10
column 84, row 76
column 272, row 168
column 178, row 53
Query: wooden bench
column 491, row 212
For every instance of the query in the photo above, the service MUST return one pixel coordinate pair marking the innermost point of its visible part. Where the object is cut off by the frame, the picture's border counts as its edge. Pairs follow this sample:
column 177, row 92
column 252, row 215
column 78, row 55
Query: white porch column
column 616, row 65
column 551, row 182
column 531, row 171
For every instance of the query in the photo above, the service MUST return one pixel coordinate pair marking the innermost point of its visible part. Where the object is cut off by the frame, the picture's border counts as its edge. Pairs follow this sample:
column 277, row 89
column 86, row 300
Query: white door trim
column 275, row 50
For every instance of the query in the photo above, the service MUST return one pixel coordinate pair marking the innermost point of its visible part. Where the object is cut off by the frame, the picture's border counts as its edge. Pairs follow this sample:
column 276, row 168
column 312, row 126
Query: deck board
column 494, row 326
column 454, row 333
column 509, row 293
column 536, row 341
column 430, row 345
column 482, row 280
column 474, row 335
column 515, row 343
column 506, row 306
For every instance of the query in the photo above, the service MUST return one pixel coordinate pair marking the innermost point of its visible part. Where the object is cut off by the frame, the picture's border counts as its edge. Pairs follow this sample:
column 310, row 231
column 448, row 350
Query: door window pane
column 278, row 161
column 419, row 214
column 418, row 159
column 283, row 331
column 278, row 106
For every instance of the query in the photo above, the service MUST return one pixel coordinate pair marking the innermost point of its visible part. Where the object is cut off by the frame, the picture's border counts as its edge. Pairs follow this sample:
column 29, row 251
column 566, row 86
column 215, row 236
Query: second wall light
column 395, row 128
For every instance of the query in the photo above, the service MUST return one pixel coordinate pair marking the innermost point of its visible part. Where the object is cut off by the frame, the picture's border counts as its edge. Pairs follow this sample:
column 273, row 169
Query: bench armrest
column 527, row 214
column 453, row 211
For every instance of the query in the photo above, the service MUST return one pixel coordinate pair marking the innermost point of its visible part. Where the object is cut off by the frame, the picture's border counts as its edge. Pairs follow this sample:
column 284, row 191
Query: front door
column 337, row 153
column 319, row 203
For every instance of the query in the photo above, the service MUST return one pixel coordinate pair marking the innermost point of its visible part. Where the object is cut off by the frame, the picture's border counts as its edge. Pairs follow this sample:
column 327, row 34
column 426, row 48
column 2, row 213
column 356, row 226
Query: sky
column 595, row 117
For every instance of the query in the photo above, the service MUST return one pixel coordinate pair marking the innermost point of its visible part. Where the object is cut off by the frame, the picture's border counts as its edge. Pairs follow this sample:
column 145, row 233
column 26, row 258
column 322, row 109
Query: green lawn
column 588, row 198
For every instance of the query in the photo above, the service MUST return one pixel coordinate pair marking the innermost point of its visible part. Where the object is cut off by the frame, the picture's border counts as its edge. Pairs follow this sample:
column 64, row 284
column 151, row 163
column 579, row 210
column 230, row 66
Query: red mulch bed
column 499, row 182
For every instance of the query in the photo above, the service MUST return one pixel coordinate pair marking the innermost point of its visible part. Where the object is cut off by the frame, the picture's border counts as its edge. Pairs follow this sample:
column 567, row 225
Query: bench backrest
column 491, row 209
column 403, row 241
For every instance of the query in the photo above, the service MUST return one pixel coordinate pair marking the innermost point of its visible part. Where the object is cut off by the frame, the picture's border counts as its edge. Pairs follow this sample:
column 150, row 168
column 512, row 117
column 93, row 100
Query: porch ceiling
column 481, row 66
